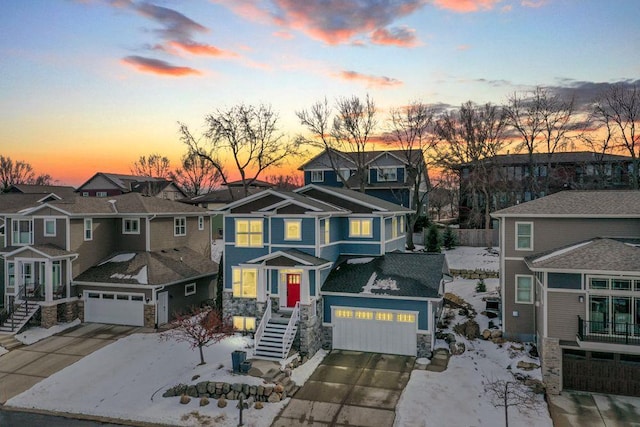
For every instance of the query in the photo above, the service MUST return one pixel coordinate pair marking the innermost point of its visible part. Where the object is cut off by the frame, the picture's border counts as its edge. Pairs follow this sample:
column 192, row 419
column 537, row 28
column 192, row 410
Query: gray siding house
column 570, row 281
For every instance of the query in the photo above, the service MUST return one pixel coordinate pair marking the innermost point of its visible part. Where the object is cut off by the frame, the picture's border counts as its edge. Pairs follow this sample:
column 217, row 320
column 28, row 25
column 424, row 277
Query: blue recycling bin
column 237, row 357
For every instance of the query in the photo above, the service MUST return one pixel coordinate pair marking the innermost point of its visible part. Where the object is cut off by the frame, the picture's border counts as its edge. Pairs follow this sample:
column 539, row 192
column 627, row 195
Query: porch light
column 581, row 298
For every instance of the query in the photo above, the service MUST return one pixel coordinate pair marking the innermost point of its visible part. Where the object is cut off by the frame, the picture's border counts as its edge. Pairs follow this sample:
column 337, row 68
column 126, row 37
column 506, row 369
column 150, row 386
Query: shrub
column 432, row 243
column 449, row 238
column 480, row 286
column 421, row 222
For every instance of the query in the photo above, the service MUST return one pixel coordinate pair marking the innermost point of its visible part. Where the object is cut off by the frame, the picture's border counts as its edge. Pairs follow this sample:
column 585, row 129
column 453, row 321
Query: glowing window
column 406, row 318
column 248, row 233
column 360, row 227
column 245, row 281
column 345, row 314
column 364, row 315
column 382, row 315
column 241, row 323
column 292, row 229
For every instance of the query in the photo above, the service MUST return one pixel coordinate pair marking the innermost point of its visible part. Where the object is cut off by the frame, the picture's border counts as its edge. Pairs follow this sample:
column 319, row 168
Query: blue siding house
column 325, row 267
column 388, row 176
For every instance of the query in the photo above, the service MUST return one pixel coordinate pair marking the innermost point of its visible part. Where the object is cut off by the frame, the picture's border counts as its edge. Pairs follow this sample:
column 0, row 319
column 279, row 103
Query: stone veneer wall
column 232, row 306
column 327, row 337
column 80, row 307
column 149, row 315
column 310, row 328
column 551, row 364
column 49, row 315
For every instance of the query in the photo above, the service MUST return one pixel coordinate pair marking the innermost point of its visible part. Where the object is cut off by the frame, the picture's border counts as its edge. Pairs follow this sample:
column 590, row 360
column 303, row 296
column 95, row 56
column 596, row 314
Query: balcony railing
column 609, row 332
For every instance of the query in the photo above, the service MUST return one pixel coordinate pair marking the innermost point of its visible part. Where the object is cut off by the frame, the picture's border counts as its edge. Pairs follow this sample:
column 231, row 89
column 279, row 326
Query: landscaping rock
column 279, row 388
column 457, row 348
column 259, row 405
column 496, row 333
column 192, row 391
column 204, row 401
column 527, row 366
column 274, row 398
column 536, row 386
column 184, row 399
column 486, row 334
column 222, row 402
column 253, row 390
column 202, row 387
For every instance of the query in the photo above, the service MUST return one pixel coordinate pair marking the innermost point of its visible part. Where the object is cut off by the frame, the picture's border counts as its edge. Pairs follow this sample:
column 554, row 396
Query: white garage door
column 113, row 307
column 376, row 331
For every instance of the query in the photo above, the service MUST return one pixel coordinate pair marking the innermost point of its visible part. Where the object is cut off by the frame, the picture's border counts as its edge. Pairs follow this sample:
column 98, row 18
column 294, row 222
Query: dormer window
column 387, row 174
column 317, row 176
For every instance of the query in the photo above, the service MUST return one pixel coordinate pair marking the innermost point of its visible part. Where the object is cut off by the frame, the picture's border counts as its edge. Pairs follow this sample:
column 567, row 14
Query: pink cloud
column 156, row 66
column 465, row 6
column 201, row 49
column 463, row 47
column 371, row 81
column 403, row 37
column 533, row 3
column 283, row 35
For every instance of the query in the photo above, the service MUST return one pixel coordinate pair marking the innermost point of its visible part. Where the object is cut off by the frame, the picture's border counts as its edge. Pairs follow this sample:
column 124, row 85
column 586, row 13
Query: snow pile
column 3, row 350
column 142, row 276
column 360, row 260
column 126, row 380
column 33, row 335
column 120, row 258
column 470, row 258
column 301, row 374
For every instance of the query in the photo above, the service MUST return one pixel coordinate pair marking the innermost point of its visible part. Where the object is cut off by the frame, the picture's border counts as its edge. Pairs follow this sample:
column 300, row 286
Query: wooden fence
column 465, row 237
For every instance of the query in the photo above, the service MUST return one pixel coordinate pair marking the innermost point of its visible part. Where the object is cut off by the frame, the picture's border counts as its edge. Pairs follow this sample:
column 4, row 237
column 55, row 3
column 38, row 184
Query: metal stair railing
column 23, row 302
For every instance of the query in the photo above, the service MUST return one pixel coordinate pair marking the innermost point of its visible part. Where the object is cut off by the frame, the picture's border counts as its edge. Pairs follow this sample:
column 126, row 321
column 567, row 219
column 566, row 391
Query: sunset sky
column 91, row 85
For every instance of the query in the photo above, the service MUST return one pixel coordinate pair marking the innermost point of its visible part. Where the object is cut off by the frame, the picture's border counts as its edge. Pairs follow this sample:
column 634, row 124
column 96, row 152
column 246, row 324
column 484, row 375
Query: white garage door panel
column 122, row 309
column 371, row 335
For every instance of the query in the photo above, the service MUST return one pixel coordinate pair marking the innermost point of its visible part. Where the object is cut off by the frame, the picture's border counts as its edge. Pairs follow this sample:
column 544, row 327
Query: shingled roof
column 606, row 204
column 393, row 274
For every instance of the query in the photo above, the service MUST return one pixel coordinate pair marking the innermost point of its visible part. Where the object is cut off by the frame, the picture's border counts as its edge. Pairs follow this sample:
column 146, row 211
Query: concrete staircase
column 271, row 344
column 276, row 376
column 9, row 342
column 19, row 318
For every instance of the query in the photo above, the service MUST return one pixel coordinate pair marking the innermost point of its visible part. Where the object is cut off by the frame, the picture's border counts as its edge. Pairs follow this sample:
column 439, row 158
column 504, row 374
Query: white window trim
column 189, row 289
column 530, row 248
column 44, row 231
column 133, row 220
column 85, row 194
column 327, row 231
column 293, row 221
column 249, row 233
column 370, row 220
column 531, row 278
column 241, row 282
column 102, row 194
column 381, row 175
column 321, row 172
column 89, row 229
column 244, row 320
column 15, row 242
column 201, row 223
column 177, row 227
column 394, row 227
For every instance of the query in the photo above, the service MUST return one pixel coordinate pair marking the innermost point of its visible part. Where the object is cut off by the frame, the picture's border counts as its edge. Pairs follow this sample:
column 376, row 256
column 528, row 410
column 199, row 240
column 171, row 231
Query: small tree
column 449, row 239
column 511, row 393
column 200, row 328
column 432, row 243
column 219, row 285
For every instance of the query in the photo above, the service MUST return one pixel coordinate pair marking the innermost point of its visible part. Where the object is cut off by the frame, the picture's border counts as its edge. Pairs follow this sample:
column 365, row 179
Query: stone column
column 149, row 316
column 49, row 316
column 551, row 363
column 310, row 327
column 70, row 311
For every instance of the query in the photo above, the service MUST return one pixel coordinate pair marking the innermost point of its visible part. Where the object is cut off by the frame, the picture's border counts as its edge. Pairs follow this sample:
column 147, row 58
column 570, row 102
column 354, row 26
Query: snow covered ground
column 457, row 396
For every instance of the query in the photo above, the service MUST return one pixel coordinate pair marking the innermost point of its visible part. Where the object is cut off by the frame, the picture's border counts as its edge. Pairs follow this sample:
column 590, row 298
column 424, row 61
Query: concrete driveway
column 575, row 408
column 22, row 368
column 350, row 388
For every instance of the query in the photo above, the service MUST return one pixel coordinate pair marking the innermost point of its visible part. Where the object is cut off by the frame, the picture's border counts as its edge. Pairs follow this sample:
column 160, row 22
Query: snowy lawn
column 457, row 396
column 126, row 380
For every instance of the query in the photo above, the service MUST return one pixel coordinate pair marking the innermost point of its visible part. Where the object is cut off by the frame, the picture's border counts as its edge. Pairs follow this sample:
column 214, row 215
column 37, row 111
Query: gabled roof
column 130, row 203
column 345, row 199
column 394, row 274
column 11, row 203
column 153, row 188
column 254, row 183
column 294, row 257
column 121, row 181
column 62, row 191
column 222, row 195
column 569, row 157
column 371, row 156
column 601, row 203
column 150, row 268
column 279, row 198
column 600, row 254
column 47, row 250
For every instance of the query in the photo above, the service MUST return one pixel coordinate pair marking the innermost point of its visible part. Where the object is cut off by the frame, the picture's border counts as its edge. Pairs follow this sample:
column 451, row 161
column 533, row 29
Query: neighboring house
column 570, row 281
column 112, row 184
column 510, row 180
column 387, row 173
column 62, row 191
column 325, row 263
column 128, row 259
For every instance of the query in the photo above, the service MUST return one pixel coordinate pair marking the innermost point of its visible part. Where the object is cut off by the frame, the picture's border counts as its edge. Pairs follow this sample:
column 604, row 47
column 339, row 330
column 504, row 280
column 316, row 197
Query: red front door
column 293, row 289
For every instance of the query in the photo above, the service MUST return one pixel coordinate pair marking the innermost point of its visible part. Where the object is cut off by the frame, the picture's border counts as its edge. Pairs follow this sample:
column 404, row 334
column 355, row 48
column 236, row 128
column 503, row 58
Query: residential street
column 20, row 419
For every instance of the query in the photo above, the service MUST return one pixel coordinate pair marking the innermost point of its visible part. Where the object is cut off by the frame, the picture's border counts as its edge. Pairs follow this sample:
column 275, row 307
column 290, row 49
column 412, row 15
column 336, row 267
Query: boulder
column 496, row 333
column 222, row 402
column 192, row 391
column 259, row 405
column 536, row 386
column 236, row 387
column 253, row 390
column 279, row 388
column 204, row 401
column 274, row 398
column 202, row 387
column 184, row 399
column 457, row 348
column 527, row 366
column 486, row 334
column 268, row 391
column 226, row 388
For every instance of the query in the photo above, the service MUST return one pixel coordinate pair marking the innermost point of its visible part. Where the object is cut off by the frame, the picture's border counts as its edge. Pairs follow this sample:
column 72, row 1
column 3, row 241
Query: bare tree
column 472, row 136
column 200, row 327
column 543, row 122
column 411, row 130
column 286, row 182
column 619, row 112
column 20, row 172
column 344, row 135
column 197, row 175
column 154, row 166
column 511, row 393
column 248, row 135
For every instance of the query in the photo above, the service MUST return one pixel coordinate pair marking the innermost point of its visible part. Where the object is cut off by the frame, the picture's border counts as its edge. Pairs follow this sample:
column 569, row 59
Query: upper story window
column 344, row 173
column 327, row 231
column 49, row 227
column 200, row 223
column 88, row 229
column 249, row 233
column 130, row 225
column 292, row 229
column 101, row 194
column 387, row 174
column 85, row 194
column 524, row 236
column 22, row 232
column 362, row 227
column 524, row 289
column 180, row 226
column 245, row 282
column 317, row 176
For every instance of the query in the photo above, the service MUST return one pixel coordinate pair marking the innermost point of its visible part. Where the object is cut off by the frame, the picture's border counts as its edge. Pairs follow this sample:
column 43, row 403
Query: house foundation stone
column 423, row 345
column 80, row 310
column 149, row 316
column 551, row 364
column 310, row 328
column 70, row 311
column 241, row 306
column 327, row 337
column 49, row 316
